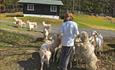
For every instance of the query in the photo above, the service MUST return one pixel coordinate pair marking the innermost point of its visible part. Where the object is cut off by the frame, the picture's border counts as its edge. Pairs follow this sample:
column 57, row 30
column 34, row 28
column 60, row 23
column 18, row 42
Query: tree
column 11, row 5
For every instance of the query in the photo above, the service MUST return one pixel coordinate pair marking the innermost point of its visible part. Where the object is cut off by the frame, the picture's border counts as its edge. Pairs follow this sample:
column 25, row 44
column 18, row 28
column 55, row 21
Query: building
column 41, row 8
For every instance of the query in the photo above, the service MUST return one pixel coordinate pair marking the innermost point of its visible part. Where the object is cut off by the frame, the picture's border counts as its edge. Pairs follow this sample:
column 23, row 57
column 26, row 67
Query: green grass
column 34, row 19
column 53, row 22
column 84, row 21
column 94, row 22
column 3, row 45
column 13, row 39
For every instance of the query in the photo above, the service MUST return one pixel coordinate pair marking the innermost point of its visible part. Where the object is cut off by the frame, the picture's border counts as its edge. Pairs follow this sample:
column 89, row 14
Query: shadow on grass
column 38, row 40
column 111, row 45
column 32, row 63
column 109, row 52
column 15, row 26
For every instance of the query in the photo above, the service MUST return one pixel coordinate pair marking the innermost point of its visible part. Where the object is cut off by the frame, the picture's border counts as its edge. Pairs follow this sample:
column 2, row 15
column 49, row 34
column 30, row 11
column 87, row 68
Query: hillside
column 95, row 22
column 19, row 46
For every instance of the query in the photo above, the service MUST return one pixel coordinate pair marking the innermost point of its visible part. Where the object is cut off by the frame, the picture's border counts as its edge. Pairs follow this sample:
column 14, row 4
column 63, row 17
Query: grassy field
column 10, row 34
column 84, row 21
column 95, row 22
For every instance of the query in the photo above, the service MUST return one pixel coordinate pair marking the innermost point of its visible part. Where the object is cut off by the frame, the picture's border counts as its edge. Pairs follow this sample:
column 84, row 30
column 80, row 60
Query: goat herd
column 86, row 48
column 20, row 23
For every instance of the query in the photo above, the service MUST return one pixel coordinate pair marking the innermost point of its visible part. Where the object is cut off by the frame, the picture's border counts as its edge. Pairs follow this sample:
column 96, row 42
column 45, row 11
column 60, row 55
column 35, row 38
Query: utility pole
column 73, row 5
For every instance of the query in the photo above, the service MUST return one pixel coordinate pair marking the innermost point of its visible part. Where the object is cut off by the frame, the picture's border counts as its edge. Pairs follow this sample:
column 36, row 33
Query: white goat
column 97, row 40
column 88, row 51
column 45, row 54
column 47, row 49
column 32, row 25
column 46, row 30
column 19, row 22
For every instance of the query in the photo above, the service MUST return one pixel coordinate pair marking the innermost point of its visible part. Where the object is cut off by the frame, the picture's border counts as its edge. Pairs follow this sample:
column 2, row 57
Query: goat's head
column 46, row 25
column 84, row 36
column 95, row 33
column 78, row 39
column 57, row 40
column 56, row 37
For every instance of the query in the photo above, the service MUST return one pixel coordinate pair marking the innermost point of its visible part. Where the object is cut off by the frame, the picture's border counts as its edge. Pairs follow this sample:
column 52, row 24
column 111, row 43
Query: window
column 53, row 8
column 30, row 7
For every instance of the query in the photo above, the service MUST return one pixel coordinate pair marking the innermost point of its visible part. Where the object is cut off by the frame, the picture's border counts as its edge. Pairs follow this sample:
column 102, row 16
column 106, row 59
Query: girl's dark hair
column 68, row 17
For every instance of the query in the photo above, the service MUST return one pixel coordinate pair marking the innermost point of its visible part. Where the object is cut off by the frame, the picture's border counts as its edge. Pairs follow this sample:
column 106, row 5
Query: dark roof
column 50, row 2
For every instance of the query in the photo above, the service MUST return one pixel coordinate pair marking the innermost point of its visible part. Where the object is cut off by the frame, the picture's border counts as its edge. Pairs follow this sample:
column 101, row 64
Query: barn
column 41, row 8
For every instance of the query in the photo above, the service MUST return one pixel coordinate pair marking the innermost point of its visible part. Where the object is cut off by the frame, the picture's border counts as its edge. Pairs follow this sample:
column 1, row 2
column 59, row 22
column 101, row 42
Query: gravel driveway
column 105, row 33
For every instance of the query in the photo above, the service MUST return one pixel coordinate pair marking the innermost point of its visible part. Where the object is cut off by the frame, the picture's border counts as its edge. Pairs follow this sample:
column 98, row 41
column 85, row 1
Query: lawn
column 84, row 21
column 13, row 39
column 96, row 22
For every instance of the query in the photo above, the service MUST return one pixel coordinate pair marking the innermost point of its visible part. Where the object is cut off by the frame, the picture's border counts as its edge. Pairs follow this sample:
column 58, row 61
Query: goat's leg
column 77, row 60
column 42, row 64
column 42, row 60
column 21, row 25
column 48, row 61
column 58, row 54
column 54, row 56
column 29, row 28
column 47, row 64
column 45, row 36
column 71, row 60
column 35, row 26
column 100, row 50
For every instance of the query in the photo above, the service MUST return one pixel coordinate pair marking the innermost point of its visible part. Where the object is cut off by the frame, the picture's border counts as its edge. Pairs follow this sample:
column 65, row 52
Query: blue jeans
column 65, row 57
